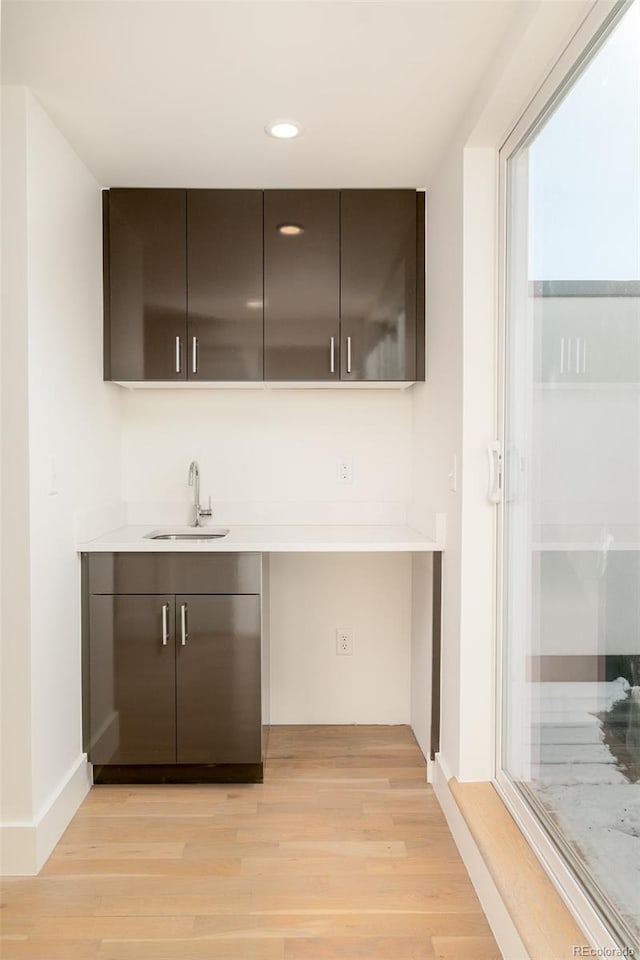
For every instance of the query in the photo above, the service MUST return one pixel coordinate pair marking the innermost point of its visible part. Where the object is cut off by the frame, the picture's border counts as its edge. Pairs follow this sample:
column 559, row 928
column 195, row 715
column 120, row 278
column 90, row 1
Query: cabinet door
column 218, row 679
column 132, row 688
column 224, row 270
column 145, row 284
column 380, row 282
column 301, row 285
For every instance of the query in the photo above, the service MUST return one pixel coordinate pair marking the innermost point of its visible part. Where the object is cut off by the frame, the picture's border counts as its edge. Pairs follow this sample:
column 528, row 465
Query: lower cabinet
column 218, row 680
column 132, row 680
column 173, row 679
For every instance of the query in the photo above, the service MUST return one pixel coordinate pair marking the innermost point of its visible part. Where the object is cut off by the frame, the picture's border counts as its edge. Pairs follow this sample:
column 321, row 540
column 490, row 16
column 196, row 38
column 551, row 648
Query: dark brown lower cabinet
column 133, row 694
column 173, row 679
column 218, row 680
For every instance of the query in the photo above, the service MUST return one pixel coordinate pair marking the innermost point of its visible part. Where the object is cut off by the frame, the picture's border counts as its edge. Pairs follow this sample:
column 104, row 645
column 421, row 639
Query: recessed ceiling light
column 283, row 129
column 290, row 229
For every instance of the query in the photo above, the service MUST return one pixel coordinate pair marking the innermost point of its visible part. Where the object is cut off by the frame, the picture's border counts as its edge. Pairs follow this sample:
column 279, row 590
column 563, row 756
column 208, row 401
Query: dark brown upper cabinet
column 382, row 285
column 183, row 284
column 302, row 285
column 145, row 292
column 224, row 284
column 280, row 285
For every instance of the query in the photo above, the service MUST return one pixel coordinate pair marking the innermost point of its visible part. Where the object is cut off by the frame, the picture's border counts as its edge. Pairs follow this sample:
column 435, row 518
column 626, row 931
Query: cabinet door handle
column 177, row 354
column 584, row 356
column 332, row 355
column 194, row 355
column 165, row 624
column 348, row 354
column 183, row 623
column 562, row 355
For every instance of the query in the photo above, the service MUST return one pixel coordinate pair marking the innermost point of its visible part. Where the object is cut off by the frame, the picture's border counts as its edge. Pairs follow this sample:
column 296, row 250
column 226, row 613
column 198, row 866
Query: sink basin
column 193, row 534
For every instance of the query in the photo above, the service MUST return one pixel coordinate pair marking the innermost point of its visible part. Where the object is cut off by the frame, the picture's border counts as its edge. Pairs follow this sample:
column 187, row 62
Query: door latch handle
column 494, row 489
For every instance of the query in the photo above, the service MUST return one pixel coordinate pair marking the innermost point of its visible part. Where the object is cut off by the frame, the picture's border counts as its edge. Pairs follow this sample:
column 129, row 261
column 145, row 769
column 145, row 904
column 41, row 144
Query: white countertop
column 270, row 538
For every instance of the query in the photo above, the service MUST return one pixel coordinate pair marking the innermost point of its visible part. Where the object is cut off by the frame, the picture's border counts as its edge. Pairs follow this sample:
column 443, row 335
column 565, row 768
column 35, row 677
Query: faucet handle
column 208, row 512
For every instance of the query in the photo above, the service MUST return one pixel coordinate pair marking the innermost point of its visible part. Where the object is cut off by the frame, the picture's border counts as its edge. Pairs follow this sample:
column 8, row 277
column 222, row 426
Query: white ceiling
column 177, row 93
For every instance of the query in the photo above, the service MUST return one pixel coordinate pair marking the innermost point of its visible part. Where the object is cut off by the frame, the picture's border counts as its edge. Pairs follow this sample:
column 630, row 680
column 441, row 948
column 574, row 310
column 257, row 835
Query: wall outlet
column 345, row 470
column 344, row 643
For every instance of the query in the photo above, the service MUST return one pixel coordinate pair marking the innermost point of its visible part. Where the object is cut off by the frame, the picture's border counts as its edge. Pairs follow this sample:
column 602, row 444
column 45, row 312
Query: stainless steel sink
column 194, row 534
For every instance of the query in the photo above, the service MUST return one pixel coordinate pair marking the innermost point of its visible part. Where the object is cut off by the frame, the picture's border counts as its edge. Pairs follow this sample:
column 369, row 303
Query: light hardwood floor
column 343, row 852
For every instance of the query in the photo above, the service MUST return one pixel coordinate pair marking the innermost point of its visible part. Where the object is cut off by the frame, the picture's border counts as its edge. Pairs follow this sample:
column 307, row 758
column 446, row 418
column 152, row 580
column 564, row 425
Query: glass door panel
column 571, row 513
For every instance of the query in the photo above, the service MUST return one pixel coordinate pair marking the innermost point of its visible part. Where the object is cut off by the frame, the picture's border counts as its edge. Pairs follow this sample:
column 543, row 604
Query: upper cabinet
column 301, row 284
column 382, row 285
column 183, row 284
column 145, row 293
column 224, row 284
column 280, row 285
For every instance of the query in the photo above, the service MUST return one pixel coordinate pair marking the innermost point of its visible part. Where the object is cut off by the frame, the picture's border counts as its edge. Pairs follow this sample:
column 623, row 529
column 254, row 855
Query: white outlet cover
column 345, row 470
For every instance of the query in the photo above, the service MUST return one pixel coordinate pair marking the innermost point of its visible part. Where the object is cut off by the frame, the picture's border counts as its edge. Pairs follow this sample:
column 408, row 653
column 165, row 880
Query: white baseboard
column 25, row 846
column 502, row 926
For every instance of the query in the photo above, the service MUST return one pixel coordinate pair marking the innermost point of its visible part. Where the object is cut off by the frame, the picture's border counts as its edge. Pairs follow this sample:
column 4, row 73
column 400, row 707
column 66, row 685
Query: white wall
column 16, row 650
column 370, row 596
column 269, row 448
column 74, row 450
column 479, row 428
column 271, row 456
column 437, row 417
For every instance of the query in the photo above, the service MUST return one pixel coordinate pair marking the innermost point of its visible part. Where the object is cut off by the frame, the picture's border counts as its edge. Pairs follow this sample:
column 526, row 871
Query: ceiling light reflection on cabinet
column 290, row 229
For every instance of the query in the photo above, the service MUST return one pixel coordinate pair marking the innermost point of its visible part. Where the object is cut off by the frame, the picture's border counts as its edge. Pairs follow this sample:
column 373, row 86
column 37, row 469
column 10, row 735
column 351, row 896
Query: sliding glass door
column 570, row 740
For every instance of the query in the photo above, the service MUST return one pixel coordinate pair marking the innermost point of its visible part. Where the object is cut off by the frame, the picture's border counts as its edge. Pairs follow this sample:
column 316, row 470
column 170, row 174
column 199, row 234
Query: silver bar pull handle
column 177, row 354
column 348, row 354
column 332, row 355
column 165, row 624
column 183, row 624
column 562, row 355
column 584, row 356
column 194, row 355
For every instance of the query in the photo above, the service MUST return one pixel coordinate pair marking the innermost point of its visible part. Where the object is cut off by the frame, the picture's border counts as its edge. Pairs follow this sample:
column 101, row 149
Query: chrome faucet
column 194, row 481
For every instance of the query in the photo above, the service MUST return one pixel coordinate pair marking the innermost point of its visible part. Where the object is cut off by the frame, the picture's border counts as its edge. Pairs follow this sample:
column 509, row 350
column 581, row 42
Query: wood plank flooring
column 342, row 852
